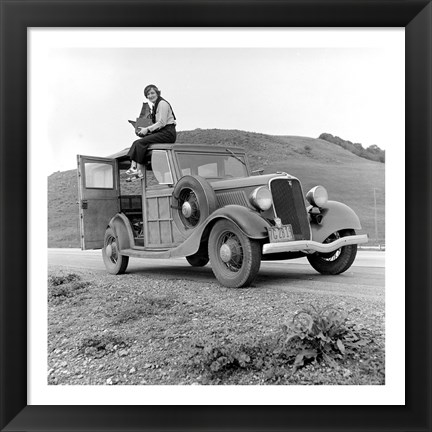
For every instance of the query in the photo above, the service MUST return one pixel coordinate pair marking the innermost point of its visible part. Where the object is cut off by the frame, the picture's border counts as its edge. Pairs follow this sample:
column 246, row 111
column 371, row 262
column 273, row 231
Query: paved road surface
column 366, row 276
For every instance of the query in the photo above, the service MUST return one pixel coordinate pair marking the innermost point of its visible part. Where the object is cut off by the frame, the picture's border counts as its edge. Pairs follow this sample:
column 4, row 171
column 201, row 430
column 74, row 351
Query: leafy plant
column 313, row 334
column 218, row 356
column 324, row 334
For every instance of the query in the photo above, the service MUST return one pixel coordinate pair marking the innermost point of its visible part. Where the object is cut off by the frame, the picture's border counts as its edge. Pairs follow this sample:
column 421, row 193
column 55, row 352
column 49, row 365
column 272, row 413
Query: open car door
column 98, row 185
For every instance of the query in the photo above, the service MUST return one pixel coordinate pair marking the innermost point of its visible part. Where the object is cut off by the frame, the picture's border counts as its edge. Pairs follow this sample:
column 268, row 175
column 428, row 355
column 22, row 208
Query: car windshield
column 212, row 166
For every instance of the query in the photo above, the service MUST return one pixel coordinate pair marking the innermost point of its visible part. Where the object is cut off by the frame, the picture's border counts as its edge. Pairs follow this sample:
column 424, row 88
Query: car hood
column 243, row 182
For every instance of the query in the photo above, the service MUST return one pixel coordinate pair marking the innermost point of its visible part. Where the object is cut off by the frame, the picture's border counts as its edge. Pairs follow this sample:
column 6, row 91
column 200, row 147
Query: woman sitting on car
column 161, row 131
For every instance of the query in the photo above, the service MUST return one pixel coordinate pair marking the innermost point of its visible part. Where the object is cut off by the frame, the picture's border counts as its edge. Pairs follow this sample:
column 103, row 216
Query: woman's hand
column 142, row 131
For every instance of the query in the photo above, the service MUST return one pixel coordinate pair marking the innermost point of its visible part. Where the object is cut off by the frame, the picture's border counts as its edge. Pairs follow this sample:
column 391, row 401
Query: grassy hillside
column 347, row 177
column 373, row 152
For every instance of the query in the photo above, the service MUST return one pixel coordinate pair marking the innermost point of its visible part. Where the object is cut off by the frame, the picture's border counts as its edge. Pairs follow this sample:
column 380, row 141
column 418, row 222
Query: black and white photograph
column 217, row 214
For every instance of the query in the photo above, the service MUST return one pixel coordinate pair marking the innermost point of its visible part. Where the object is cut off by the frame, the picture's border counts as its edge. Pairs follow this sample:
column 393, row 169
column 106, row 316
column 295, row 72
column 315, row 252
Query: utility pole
column 376, row 218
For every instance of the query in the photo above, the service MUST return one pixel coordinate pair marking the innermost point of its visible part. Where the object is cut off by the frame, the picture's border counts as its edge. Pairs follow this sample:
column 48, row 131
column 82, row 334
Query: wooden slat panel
column 152, row 209
column 154, row 237
column 177, row 235
column 166, row 237
column 164, row 208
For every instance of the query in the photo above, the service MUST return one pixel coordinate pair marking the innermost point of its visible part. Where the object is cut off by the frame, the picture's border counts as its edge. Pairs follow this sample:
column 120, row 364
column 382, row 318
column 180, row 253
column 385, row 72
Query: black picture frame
column 17, row 16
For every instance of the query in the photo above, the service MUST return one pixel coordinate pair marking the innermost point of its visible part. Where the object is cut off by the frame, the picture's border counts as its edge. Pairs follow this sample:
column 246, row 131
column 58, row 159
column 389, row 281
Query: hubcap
column 225, row 253
column 108, row 251
column 187, row 210
column 230, row 252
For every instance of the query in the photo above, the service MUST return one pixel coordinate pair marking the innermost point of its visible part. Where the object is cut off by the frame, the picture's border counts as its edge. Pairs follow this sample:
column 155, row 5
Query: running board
column 140, row 253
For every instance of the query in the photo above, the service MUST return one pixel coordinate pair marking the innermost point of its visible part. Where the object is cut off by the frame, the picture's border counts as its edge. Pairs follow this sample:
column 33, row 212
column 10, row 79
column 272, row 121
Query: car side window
column 161, row 171
column 208, row 170
column 99, row 175
column 212, row 166
column 161, row 167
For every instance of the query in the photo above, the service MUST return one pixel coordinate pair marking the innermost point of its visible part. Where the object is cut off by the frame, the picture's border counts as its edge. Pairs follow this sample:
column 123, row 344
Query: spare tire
column 193, row 201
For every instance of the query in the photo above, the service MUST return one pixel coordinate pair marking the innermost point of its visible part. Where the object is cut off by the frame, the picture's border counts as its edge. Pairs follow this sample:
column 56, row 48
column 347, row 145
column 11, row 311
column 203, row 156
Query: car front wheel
column 114, row 261
column 234, row 257
column 335, row 262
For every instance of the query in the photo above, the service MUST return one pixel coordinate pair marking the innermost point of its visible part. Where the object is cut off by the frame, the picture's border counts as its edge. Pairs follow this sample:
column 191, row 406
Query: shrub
column 62, row 279
column 65, row 286
column 373, row 152
column 321, row 335
column 100, row 345
column 217, row 356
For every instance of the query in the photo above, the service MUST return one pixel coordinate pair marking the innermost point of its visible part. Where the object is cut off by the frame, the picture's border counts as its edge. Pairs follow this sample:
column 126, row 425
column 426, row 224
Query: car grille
column 290, row 206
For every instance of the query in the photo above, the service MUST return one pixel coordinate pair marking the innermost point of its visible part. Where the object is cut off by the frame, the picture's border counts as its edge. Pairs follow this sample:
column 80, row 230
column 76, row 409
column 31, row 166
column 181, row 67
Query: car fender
column 336, row 216
column 121, row 226
column 250, row 223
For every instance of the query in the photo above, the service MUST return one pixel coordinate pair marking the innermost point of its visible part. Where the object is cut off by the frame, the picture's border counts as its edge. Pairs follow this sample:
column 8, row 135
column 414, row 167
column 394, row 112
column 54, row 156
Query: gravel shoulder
column 139, row 330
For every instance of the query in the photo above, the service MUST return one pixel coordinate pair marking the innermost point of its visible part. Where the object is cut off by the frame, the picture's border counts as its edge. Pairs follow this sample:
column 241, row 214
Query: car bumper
column 310, row 246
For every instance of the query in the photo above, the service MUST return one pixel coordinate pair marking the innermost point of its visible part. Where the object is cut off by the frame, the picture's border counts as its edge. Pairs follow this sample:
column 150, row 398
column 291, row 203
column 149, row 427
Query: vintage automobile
column 203, row 202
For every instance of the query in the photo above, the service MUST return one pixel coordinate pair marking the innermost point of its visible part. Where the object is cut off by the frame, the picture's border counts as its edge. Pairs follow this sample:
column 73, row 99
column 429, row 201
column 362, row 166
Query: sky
column 89, row 91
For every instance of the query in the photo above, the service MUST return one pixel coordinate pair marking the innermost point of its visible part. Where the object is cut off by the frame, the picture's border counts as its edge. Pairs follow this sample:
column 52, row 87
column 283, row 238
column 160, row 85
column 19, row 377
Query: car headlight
column 317, row 196
column 261, row 198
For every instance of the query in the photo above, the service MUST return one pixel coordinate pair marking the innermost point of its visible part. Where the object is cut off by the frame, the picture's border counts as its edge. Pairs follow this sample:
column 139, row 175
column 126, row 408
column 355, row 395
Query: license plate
column 281, row 234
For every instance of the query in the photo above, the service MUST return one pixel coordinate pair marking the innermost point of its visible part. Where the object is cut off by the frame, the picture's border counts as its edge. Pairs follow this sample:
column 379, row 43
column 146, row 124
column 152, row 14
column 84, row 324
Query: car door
column 98, row 186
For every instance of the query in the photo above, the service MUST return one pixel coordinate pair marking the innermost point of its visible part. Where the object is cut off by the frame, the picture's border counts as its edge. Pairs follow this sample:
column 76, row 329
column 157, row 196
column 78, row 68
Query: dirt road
column 364, row 278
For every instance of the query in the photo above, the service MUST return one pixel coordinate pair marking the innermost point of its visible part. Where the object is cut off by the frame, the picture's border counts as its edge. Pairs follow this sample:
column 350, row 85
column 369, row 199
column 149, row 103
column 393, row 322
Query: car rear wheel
column 114, row 261
column 335, row 262
column 234, row 257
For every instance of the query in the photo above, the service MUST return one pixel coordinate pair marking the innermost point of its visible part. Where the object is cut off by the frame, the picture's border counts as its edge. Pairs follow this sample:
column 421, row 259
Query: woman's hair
column 149, row 87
